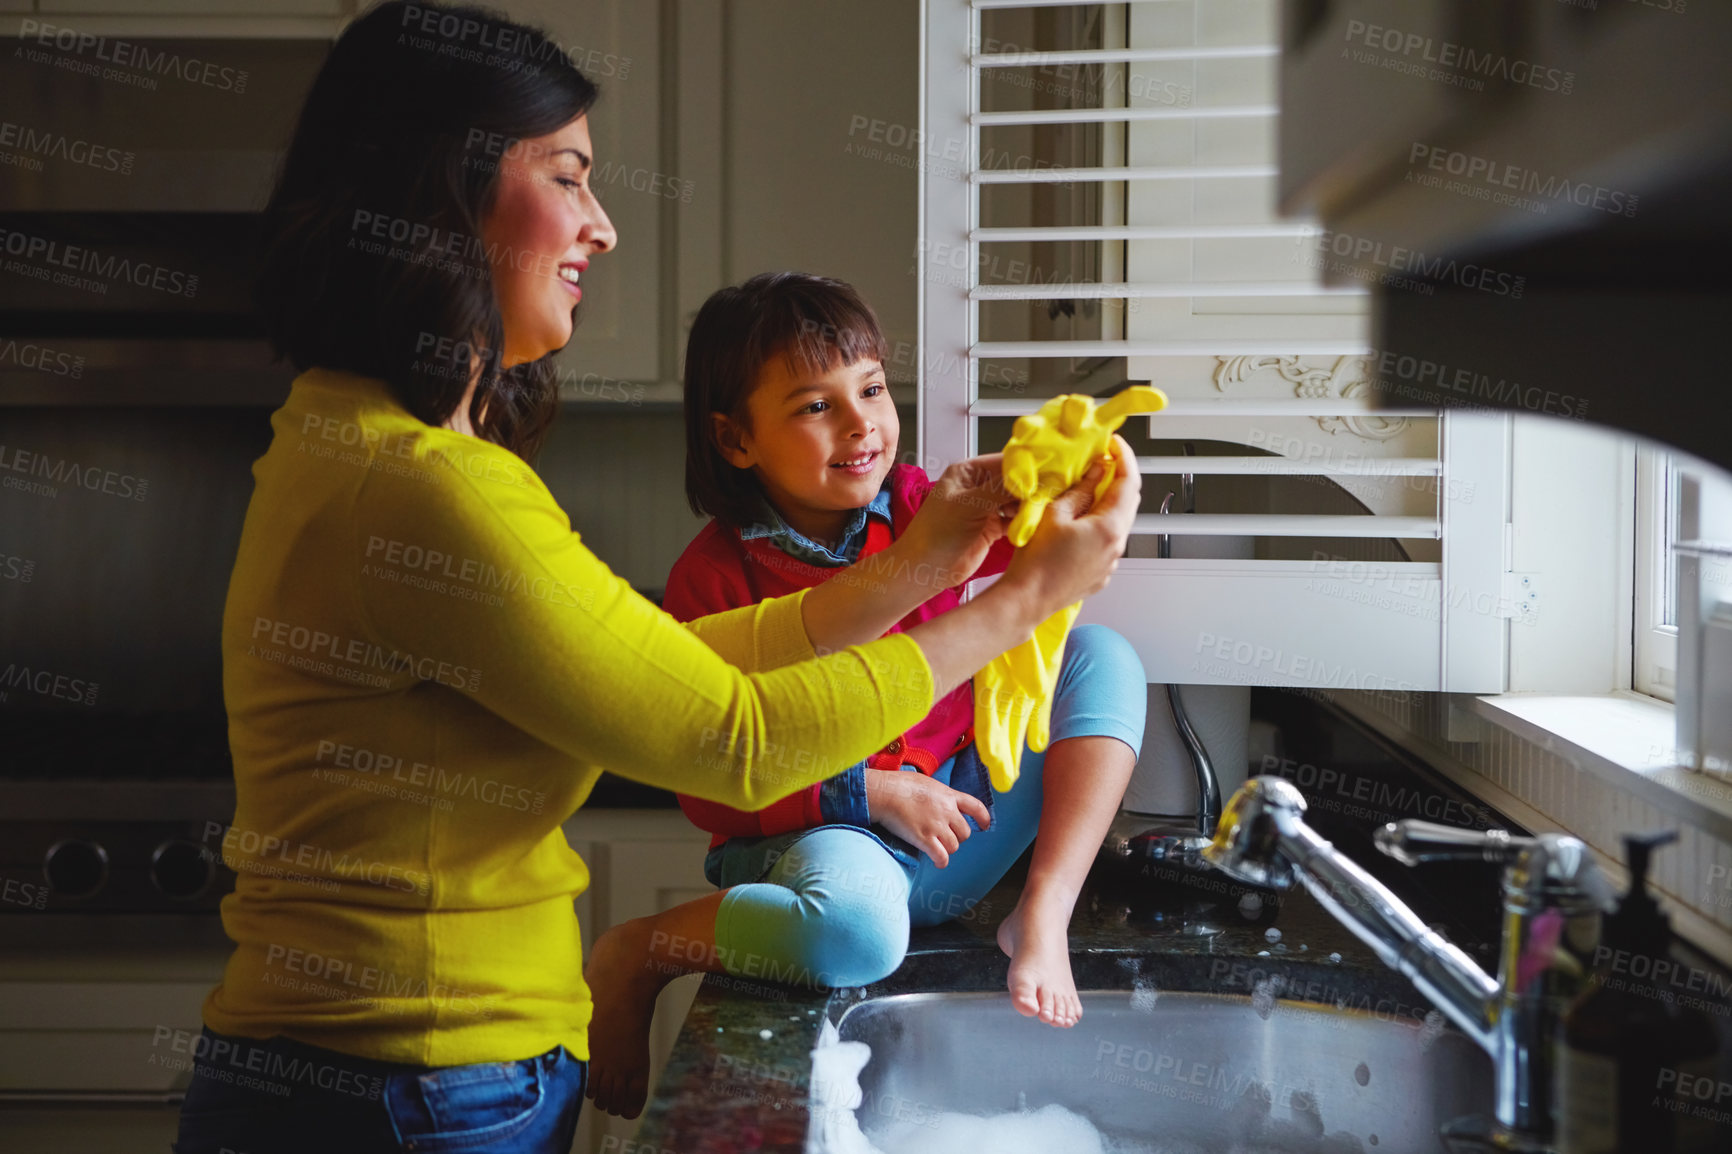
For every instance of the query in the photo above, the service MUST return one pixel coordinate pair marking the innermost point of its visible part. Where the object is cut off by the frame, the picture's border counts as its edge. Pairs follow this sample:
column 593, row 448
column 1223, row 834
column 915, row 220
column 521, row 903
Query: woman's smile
column 546, row 223
column 569, row 274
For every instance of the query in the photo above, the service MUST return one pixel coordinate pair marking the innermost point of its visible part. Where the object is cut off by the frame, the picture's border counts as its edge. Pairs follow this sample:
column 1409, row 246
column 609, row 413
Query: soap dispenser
column 1628, row 1049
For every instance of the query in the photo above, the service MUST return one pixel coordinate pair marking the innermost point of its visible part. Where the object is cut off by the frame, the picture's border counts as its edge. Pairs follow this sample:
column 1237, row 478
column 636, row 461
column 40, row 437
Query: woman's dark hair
column 374, row 262
column 812, row 321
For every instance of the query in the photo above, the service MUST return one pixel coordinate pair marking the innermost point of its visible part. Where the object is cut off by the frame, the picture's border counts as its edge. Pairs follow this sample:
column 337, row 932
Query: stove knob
column 181, row 869
column 75, row 868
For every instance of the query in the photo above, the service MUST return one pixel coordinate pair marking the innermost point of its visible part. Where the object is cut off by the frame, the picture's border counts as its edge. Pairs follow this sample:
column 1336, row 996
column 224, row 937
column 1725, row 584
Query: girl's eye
column 816, row 407
column 873, row 390
column 571, row 184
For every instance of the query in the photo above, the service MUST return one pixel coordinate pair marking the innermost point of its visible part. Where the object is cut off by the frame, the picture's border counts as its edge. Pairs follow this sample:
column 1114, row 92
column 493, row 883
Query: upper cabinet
column 730, row 140
column 250, row 19
column 192, row 102
column 174, row 8
column 623, row 321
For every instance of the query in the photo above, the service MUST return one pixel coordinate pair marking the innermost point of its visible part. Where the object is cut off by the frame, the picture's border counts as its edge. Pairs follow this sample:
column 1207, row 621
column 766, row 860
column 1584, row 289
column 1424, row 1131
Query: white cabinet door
column 616, row 44
column 191, row 19
column 194, row 7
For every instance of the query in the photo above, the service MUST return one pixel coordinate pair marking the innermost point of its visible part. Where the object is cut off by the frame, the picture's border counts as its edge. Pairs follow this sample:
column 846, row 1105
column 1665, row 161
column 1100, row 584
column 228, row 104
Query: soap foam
column 836, row 1094
column 835, row 1127
column 1041, row 1131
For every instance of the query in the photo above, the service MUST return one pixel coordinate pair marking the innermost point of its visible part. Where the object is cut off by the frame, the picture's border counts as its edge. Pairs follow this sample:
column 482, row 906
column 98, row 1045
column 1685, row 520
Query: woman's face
column 545, row 225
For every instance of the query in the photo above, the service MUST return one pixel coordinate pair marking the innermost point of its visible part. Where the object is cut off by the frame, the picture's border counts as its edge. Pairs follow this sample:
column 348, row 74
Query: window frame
column 1654, row 641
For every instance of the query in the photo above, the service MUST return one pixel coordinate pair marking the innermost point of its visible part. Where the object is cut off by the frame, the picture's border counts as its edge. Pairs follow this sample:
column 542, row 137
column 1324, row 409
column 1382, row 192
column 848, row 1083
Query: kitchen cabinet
column 95, row 1024
column 196, row 7
column 192, row 19
column 710, row 171
column 623, row 322
column 641, row 862
column 213, row 153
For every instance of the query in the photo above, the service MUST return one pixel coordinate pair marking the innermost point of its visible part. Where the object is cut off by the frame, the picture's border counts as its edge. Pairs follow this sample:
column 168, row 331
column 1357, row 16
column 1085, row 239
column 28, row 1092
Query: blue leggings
column 836, row 905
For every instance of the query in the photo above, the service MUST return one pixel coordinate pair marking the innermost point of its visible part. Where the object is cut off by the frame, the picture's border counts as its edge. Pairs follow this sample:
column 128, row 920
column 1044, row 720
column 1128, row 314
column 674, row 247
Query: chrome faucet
column 1553, row 897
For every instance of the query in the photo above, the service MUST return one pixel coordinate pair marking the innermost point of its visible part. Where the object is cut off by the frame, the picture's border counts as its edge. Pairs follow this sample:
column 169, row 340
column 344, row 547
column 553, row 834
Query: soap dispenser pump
column 1627, row 1045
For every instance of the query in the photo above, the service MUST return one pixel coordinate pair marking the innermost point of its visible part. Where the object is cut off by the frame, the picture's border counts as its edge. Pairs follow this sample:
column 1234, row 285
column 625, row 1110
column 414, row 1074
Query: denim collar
column 797, row 545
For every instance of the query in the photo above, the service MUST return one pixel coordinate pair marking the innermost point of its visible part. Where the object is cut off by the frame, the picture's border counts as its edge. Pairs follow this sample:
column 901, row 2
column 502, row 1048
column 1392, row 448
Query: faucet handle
column 1411, row 842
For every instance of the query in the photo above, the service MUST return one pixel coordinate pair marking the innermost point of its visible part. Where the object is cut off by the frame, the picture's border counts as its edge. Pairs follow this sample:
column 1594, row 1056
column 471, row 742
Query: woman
column 426, row 671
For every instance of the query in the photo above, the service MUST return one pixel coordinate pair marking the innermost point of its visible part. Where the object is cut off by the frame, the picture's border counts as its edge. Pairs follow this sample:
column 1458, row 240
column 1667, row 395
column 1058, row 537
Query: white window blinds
column 1113, row 220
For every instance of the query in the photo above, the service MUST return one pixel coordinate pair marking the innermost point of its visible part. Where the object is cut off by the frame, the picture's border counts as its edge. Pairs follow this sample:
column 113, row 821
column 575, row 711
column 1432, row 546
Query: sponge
column 1047, row 453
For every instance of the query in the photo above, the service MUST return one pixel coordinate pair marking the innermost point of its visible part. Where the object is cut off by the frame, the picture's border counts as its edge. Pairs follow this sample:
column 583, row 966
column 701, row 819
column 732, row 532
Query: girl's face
column 820, row 444
column 545, row 225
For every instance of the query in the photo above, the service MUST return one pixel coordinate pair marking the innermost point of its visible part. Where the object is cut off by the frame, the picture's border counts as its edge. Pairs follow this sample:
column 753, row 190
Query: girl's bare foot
column 1036, row 936
column 623, row 982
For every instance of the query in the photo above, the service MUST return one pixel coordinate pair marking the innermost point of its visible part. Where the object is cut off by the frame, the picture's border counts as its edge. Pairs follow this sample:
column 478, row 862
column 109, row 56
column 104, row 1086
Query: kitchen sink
column 1185, row 1073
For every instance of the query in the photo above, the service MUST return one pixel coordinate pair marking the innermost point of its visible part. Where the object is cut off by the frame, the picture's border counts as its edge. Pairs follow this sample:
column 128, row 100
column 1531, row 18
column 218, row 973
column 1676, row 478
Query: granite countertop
column 738, row 1078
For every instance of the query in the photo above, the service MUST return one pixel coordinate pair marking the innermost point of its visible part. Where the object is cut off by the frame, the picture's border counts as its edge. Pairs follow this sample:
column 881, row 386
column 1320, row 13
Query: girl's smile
column 861, row 466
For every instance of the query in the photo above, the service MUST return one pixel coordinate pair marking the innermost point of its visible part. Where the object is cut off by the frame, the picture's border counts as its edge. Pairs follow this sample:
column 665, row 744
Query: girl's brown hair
column 812, row 321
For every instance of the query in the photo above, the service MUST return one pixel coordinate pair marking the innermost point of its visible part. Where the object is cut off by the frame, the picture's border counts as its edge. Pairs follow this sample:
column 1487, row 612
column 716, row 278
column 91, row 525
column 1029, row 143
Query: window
column 1654, row 652
column 1682, row 626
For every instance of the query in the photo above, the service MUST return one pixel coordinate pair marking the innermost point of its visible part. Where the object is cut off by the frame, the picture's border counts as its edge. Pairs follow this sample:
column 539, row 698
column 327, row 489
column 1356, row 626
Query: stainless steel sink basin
column 1179, row 1072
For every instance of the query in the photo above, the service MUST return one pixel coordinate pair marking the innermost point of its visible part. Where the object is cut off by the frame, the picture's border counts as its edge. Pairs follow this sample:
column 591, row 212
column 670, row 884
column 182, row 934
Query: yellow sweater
column 425, row 672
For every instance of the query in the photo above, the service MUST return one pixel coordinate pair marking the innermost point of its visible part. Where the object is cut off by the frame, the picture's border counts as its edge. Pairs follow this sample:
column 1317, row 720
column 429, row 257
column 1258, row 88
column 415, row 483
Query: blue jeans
column 264, row 1097
column 833, row 905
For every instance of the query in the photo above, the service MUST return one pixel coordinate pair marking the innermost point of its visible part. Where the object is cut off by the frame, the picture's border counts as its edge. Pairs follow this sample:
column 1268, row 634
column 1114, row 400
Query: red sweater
column 718, row 571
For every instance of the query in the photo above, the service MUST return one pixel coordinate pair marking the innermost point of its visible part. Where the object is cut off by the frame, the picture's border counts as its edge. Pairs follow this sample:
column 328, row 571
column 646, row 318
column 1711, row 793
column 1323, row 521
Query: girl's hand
column 924, row 813
column 1077, row 547
column 962, row 517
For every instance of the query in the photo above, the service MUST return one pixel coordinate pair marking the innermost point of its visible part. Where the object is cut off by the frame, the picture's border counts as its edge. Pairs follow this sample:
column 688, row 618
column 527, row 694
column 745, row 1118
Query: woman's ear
column 733, row 441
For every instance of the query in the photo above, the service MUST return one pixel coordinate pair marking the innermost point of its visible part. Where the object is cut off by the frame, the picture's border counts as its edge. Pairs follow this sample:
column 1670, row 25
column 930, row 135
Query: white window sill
column 1626, row 739
column 1627, row 730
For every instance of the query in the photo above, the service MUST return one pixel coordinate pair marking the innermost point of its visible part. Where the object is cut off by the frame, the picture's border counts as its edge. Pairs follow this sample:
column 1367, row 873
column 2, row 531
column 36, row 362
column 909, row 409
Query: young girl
column 791, row 441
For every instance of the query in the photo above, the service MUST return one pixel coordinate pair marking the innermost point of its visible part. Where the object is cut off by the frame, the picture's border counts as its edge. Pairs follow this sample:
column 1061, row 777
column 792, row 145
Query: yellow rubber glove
column 1046, row 454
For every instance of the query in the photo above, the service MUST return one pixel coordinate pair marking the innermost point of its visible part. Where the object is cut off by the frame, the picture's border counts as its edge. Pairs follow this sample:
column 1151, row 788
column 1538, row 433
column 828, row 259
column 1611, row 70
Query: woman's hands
column 1076, row 549
column 1071, row 555
column 942, row 546
column 926, row 814
column 964, row 514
